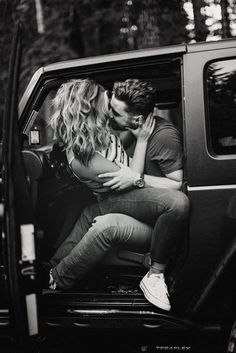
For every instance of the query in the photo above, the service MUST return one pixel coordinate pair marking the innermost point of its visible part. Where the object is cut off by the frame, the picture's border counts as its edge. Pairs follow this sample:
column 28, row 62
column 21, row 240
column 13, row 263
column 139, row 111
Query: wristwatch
column 139, row 182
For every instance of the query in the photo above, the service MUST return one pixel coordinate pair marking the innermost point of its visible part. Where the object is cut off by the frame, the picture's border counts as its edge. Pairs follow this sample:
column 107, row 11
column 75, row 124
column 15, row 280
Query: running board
column 107, row 318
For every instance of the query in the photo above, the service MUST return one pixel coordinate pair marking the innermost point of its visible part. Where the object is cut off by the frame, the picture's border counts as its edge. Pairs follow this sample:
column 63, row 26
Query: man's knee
column 181, row 204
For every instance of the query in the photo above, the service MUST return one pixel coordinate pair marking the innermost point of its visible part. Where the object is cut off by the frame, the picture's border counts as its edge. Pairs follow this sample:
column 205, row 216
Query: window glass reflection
column 221, row 90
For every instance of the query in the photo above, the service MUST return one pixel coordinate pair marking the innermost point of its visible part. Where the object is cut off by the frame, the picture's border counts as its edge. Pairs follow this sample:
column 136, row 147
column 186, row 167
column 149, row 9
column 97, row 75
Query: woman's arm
column 97, row 165
column 142, row 133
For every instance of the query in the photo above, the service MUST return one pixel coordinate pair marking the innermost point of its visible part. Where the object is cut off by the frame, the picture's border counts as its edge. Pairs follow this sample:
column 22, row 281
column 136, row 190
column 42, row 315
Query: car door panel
column 19, row 222
column 210, row 183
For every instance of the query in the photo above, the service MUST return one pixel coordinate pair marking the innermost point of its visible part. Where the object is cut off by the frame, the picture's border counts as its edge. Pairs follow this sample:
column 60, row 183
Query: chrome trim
column 163, row 318
column 115, row 57
column 29, row 90
column 30, row 122
column 4, row 311
column 211, row 187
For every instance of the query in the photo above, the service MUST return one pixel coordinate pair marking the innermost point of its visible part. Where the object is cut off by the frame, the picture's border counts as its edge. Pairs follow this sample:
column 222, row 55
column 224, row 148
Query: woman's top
column 114, row 153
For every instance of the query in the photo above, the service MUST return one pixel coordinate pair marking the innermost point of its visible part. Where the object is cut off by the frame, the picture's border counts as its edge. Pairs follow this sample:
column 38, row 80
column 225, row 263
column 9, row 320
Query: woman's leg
column 107, row 231
column 81, row 227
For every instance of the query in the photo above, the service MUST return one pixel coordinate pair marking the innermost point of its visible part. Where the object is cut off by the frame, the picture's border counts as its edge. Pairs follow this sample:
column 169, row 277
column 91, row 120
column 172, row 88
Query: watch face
column 139, row 183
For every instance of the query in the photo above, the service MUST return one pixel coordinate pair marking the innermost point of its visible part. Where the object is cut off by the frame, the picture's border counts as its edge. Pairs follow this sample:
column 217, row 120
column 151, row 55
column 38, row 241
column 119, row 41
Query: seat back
column 34, row 167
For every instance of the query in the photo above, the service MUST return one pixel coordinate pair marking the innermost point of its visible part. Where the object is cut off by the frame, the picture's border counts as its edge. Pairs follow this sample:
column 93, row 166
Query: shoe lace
column 161, row 280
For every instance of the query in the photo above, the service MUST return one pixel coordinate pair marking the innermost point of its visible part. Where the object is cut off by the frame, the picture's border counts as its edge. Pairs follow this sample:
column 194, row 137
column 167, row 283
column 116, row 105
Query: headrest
column 33, row 162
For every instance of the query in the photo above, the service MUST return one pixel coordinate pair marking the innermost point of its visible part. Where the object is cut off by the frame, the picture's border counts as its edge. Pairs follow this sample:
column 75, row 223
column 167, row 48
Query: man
column 132, row 100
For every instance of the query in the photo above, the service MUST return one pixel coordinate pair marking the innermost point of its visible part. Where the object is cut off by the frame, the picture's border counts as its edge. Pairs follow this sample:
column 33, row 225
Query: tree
column 214, row 19
column 201, row 30
column 96, row 26
column 152, row 23
column 225, row 19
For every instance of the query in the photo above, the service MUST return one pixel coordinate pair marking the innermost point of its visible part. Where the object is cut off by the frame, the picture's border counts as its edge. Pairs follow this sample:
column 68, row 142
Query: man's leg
column 106, row 231
column 164, row 209
column 81, row 227
column 167, row 211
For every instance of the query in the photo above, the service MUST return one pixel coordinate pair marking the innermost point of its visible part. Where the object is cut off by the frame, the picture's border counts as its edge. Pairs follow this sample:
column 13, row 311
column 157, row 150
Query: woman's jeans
column 164, row 211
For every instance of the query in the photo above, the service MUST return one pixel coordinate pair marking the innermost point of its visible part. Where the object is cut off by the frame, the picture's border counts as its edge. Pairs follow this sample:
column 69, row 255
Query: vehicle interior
column 58, row 197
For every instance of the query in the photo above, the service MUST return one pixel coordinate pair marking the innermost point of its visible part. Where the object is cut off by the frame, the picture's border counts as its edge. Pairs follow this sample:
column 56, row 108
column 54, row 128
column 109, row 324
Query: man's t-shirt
column 164, row 151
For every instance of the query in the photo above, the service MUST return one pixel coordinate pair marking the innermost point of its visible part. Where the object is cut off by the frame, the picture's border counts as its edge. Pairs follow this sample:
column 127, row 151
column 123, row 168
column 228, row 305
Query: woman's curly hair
column 80, row 118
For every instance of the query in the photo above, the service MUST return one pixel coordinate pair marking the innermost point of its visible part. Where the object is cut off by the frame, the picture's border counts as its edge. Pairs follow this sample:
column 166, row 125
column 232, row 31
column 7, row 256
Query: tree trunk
column 39, row 16
column 148, row 29
column 225, row 19
column 201, row 30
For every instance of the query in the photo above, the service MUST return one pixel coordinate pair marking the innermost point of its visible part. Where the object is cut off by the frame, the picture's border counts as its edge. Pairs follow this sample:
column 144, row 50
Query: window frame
column 209, row 139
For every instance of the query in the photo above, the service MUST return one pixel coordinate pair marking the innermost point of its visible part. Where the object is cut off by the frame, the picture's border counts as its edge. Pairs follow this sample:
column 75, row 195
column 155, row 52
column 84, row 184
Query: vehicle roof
column 211, row 45
column 140, row 53
column 124, row 56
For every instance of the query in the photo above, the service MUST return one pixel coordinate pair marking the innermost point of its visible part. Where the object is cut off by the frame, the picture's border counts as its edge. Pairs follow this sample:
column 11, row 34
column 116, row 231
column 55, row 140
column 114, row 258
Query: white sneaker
column 52, row 283
column 155, row 290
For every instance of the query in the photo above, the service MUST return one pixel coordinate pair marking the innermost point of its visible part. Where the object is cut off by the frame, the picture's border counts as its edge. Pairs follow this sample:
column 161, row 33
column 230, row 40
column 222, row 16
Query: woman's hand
column 144, row 130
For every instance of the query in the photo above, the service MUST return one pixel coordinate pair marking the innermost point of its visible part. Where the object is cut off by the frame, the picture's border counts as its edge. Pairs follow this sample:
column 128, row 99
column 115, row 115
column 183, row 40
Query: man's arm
column 172, row 180
column 166, row 150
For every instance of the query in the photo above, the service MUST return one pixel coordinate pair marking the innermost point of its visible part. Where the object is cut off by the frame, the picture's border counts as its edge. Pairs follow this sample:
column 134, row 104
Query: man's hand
column 122, row 179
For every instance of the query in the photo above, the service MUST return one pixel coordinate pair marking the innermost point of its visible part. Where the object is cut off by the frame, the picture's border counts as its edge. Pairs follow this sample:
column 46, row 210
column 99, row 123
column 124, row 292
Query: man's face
column 118, row 112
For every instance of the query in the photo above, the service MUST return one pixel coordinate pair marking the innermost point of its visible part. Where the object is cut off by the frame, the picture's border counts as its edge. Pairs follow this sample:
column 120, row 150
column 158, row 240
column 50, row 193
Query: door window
column 221, row 94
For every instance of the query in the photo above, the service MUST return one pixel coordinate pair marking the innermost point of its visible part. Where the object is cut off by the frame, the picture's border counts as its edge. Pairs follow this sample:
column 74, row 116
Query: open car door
column 19, row 224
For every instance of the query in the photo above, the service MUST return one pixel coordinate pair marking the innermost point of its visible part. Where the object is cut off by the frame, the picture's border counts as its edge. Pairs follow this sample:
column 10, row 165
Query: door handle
column 81, row 324
column 152, row 325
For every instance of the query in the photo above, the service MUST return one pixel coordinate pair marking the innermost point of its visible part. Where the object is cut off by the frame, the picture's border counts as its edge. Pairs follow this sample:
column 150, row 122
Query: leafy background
column 55, row 30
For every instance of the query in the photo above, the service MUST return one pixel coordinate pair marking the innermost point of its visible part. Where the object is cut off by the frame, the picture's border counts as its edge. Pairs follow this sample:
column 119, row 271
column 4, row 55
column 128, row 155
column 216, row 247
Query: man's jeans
column 163, row 209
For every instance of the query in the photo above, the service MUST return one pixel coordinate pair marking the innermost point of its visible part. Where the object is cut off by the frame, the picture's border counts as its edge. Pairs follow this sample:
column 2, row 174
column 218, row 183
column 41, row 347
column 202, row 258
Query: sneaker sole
column 153, row 300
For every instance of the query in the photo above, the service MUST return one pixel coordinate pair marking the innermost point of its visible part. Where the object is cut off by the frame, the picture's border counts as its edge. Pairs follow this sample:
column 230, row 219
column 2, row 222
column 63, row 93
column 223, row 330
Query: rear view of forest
column 55, row 30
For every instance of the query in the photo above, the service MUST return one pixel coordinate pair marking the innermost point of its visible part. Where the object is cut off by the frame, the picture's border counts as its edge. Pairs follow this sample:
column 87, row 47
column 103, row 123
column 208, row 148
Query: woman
column 81, row 123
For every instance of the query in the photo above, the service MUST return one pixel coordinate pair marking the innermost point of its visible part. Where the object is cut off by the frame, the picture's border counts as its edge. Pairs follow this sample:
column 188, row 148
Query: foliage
column 201, row 30
column 97, row 25
column 157, row 23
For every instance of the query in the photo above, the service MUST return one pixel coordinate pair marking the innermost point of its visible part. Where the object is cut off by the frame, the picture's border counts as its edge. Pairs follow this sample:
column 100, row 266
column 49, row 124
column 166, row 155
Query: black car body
column 197, row 90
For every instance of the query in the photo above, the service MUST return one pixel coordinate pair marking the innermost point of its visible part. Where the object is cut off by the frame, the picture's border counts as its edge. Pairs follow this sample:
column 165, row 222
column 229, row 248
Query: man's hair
column 138, row 95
